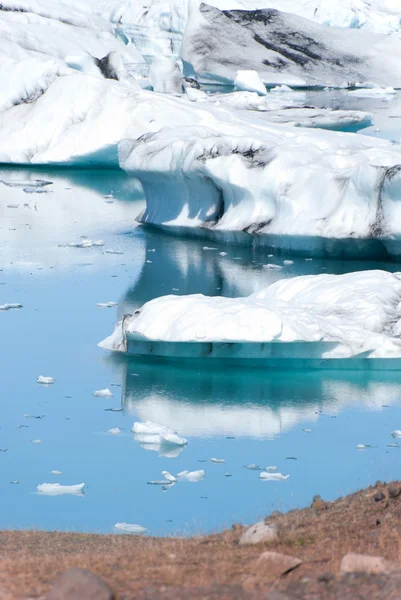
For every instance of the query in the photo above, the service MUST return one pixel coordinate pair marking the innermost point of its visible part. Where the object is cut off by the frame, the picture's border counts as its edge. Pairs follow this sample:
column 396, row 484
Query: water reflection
column 246, row 403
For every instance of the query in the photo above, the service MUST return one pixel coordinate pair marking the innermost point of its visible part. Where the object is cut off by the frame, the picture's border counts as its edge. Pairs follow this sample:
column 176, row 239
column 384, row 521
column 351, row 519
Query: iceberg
column 56, row 489
column 249, row 81
column 131, row 528
column 286, row 49
column 322, row 321
column 292, row 189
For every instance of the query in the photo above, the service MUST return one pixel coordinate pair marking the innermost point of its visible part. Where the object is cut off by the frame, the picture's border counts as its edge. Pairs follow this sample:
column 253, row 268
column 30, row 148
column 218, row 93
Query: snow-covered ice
column 316, row 318
column 192, row 476
column 56, row 489
column 165, row 76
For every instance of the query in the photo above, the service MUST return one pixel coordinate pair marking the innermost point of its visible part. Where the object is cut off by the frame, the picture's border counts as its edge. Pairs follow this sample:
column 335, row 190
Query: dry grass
column 320, row 536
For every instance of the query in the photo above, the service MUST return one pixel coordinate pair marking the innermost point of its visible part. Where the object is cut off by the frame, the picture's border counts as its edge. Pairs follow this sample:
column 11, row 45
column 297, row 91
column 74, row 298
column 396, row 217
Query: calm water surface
column 242, row 416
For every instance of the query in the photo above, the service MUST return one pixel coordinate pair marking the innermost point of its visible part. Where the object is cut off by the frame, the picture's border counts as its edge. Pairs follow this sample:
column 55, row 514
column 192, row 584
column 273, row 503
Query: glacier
column 286, row 49
column 322, row 321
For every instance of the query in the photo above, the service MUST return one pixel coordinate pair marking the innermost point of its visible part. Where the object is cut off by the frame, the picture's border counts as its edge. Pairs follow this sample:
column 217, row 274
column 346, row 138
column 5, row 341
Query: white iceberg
column 157, row 435
column 192, row 476
column 45, row 380
column 106, row 393
column 130, row 528
column 217, row 460
column 286, row 49
column 320, row 320
column 249, row 81
column 273, row 476
column 56, row 489
column 114, row 431
column 295, row 189
column 12, row 306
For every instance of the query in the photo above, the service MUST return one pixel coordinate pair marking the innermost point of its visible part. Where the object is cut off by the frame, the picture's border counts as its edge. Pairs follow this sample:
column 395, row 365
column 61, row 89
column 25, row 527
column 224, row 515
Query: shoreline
column 218, row 566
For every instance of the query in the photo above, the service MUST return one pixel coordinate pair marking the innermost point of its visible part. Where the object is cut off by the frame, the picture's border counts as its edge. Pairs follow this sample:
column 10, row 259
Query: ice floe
column 106, row 393
column 131, row 528
column 273, row 476
column 320, row 319
column 157, row 435
column 12, row 306
column 45, row 380
column 56, row 489
column 192, row 476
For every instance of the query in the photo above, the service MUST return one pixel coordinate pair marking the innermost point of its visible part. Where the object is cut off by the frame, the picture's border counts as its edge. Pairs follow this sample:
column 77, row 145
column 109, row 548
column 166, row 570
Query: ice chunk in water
column 396, row 433
column 12, row 306
column 114, row 431
column 217, row 460
column 55, row 472
column 173, row 438
column 45, row 380
column 56, row 489
column 106, row 393
column 169, row 477
column 131, row 528
column 106, row 304
column 27, row 183
column 36, row 441
column 192, row 476
column 271, row 469
column 273, row 476
column 249, row 81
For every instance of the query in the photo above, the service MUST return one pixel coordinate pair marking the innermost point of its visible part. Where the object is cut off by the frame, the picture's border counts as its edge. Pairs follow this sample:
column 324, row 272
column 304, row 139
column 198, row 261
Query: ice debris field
column 230, row 220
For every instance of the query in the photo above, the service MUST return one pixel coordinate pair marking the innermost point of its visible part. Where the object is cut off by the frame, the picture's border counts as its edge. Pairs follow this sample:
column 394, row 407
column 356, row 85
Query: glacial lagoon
column 307, row 424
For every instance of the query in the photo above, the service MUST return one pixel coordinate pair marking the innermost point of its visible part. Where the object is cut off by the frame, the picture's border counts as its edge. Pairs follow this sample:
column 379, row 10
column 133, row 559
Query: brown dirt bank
column 367, row 522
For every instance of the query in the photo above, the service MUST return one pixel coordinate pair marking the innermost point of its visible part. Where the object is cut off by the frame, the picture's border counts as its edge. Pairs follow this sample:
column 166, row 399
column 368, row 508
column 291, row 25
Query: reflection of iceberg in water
column 72, row 207
column 186, row 266
column 252, row 403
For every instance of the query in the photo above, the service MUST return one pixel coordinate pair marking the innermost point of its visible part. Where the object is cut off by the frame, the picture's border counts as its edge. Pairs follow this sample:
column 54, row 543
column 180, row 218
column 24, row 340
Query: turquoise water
column 245, row 416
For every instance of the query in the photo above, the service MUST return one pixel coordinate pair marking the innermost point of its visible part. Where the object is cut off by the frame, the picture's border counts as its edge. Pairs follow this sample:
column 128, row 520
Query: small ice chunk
column 281, row 88
column 217, row 460
column 272, row 267
column 130, row 528
column 192, row 476
column 106, row 393
column 55, row 472
column 361, row 447
column 249, row 81
column 56, row 489
column 12, row 205
column 253, row 467
column 115, row 431
column 396, row 433
column 288, row 262
column 148, row 427
column 45, row 380
column 98, row 243
column 308, row 430
column 208, row 248
column 114, row 252
column 35, row 190
column 271, row 469
column 12, row 306
column 223, row 253
column 273, row 476
column 169, row 477
column 36, row 441
column 106, row 304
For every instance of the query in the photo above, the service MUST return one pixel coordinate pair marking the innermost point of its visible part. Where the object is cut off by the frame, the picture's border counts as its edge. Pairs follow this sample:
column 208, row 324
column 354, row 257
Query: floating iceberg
column 323, row 321
column 158, row 435
column 130, row 528
column 106, row 393
column 192, row 476
column 12, row 306
column 56, row 489
column 45, row 380
column 273, row 476
column 286, row 49
column 297, row 190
